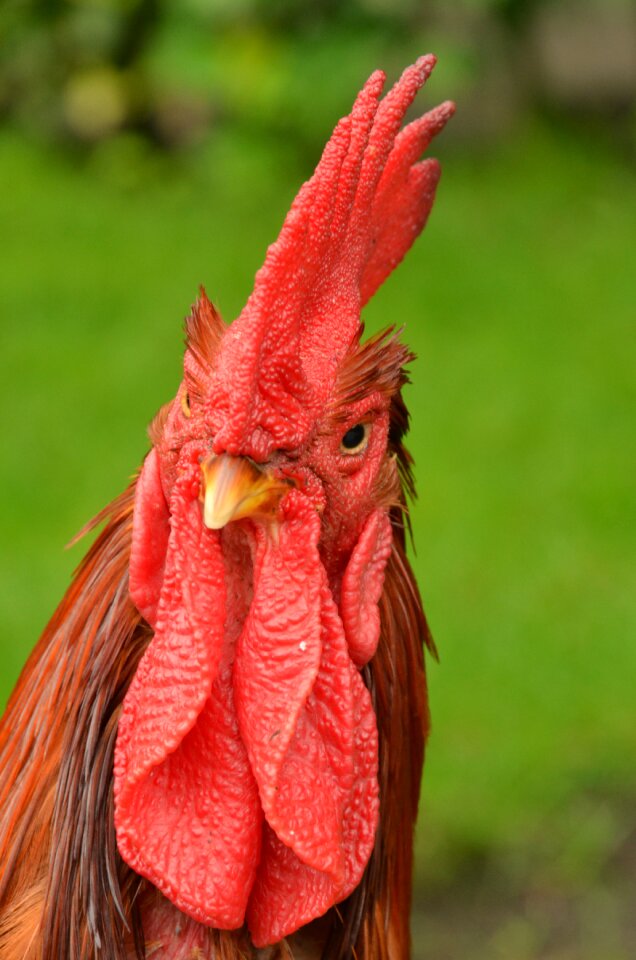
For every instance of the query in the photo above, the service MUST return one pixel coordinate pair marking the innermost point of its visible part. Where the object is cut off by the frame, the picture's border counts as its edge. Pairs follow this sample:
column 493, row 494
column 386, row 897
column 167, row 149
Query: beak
column 234, row 488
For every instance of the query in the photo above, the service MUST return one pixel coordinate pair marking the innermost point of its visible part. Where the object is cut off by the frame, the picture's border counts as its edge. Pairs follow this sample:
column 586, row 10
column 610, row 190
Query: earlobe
column 151, row 529
column 362, row 585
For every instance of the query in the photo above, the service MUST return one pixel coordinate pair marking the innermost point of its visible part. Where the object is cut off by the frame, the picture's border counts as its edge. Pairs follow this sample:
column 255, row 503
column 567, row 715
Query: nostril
column 306, row 481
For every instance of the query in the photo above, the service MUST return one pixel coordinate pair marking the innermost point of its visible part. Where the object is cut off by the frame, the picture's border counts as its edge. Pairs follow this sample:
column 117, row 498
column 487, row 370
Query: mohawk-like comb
column 348, row 228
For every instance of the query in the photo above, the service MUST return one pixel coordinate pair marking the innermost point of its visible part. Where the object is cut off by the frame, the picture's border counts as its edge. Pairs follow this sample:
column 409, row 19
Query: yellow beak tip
column 215, row 522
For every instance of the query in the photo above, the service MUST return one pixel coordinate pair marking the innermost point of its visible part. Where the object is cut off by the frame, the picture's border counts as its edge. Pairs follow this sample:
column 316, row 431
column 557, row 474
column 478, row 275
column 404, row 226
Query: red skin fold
column 362, row 585
column 187, row 809
column 277, row 662
column 288, row 892
column 213, row 740
column 150, row 539
column 246, row 762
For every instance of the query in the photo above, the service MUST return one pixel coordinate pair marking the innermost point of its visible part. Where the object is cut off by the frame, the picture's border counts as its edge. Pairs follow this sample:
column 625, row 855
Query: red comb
column 347, row 229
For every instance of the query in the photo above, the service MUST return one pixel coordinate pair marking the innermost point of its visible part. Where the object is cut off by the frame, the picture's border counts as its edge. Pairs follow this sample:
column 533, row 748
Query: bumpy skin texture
column 349, row 226
column 181, row 769
column 247, row 751
column 216, row 735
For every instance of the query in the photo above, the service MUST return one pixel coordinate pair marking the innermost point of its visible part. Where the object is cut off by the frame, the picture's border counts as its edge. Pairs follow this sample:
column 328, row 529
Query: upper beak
column 234, row 488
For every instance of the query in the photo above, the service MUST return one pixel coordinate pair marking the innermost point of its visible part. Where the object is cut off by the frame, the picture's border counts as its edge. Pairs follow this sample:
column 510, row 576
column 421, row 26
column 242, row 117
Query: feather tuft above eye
column 204, row 331
column 377, row 365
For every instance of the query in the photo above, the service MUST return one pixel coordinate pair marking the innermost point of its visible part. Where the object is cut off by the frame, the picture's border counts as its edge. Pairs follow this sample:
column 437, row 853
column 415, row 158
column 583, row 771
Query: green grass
column 519, row 300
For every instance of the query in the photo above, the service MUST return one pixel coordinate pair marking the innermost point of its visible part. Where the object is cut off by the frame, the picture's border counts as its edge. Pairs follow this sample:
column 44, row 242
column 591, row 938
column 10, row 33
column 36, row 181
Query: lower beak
column 234, row 488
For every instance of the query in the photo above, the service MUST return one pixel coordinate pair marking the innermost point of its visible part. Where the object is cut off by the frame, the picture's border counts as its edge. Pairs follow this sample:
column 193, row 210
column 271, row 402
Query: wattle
column 247, row 750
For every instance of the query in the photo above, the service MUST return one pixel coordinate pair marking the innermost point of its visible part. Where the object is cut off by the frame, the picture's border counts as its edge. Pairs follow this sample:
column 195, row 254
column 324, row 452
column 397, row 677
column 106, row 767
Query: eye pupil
column 353, row 437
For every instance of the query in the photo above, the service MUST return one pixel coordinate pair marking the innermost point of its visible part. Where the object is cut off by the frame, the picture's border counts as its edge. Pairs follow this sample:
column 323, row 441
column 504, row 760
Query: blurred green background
column 146, row 147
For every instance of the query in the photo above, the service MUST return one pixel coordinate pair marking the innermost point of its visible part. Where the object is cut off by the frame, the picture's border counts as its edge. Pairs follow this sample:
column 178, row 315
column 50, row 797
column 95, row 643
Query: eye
column 355, row 439
column 185, row 404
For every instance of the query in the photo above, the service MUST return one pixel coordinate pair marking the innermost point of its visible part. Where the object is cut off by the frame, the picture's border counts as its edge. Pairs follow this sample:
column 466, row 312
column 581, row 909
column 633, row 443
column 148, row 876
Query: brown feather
column 375, row 366
column 204, row 330
column 56, row 759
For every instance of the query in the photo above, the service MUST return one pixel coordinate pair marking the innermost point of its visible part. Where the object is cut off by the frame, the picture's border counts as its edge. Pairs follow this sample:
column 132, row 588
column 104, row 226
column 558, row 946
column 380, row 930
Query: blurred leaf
column 95, row 102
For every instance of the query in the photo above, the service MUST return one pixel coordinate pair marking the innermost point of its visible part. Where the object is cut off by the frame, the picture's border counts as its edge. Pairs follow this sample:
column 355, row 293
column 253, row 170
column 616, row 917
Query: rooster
column 215, row 749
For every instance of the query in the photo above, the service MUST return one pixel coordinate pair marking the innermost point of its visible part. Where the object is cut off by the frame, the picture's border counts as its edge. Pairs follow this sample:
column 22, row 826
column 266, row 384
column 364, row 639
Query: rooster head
column 247, row 751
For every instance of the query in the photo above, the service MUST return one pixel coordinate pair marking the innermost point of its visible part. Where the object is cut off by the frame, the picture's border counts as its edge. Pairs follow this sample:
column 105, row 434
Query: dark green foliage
column 88, row 71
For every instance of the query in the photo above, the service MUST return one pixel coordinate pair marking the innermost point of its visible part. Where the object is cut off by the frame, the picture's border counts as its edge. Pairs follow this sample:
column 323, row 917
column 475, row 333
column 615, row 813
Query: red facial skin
column 246, row 760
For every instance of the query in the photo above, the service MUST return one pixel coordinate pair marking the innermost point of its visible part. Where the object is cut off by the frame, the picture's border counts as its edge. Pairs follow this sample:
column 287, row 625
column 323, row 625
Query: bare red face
column 246, row 761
